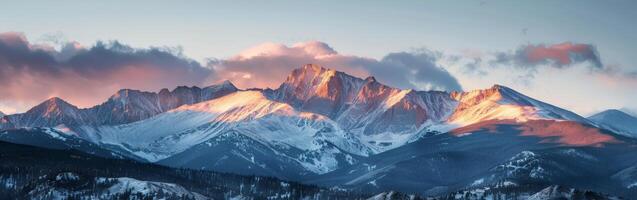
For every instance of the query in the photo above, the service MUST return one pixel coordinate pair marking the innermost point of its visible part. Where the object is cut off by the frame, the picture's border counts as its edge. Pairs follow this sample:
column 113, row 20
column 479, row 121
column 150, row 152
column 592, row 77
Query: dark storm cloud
column 31, row 72
column 416, row 70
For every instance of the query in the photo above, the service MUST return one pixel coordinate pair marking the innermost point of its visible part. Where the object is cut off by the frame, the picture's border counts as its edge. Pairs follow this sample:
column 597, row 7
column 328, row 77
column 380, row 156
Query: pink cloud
column 31, row 73
column 564, row 53
column 86, row 76
column 268, row 64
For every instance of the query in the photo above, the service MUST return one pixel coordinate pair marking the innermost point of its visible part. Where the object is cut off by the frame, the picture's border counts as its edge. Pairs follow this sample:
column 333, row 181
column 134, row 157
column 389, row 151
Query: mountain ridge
column 125, row 106
column 616, row 120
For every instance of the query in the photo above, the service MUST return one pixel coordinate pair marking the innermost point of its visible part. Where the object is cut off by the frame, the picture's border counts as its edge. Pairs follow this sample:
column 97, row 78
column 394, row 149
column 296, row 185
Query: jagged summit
column 384, row 116
column 500, row 102
column 52, row 112
column 370, row 79
column 130, row 105
column 52, row 107
column 125, row 106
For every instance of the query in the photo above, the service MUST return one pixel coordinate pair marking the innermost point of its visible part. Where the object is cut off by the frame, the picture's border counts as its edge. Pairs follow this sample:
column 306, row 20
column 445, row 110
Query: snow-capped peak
column 53, row 107
column 503, row 103
column 317, row 89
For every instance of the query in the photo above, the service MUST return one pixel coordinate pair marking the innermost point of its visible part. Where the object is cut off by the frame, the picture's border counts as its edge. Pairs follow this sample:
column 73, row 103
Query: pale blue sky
column 369, row 28
column 221, row 29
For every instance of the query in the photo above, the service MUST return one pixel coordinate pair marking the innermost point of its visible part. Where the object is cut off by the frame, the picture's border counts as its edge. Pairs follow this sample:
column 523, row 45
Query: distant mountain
column 617, row 121
column 1, row 114
column 132, row 105
column 325, row 127
column 49, row 113
column 503, row 103
column 123, row 107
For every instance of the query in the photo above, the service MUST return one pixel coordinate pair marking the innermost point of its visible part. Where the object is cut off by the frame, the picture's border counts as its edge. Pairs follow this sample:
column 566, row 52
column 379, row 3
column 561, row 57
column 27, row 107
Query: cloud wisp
column 527, row 61
column 557, row 55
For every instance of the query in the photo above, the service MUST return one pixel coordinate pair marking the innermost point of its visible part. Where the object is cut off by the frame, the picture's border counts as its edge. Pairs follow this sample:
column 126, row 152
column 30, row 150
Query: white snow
column 248, row 113
column 502, row 103
column 477, row 182
column 146, row 187
column 53, row 133
column 67, row 176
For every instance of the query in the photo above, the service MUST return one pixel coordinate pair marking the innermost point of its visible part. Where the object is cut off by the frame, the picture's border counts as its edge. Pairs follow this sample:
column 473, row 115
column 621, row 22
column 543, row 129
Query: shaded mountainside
column 51, row 138
column 31, row 172
column 28, row 172
column 447, row 162
column 617, row 121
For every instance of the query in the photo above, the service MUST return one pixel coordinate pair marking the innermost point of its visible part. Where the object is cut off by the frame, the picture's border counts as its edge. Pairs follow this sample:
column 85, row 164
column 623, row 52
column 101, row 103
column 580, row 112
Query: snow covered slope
column 503, row 103
column 52, row 138
column 382, row 116
column 68, row 184
column 616, row 121
column 248, row 114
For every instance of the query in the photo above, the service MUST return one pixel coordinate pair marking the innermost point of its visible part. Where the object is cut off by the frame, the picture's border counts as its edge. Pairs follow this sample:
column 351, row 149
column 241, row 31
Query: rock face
column 132, row 105
column 364, row 107
column 125, row 106
column 49, row 113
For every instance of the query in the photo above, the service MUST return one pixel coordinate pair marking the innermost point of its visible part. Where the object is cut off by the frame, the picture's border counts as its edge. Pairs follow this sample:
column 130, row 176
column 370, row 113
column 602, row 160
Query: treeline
column 21, row 168
column 503, row 191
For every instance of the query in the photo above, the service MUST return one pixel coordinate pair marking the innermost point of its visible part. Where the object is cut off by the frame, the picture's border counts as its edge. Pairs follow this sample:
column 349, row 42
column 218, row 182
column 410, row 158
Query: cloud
column 268, row 64
column 557, row 55
column 528, row 60
column 86, row 76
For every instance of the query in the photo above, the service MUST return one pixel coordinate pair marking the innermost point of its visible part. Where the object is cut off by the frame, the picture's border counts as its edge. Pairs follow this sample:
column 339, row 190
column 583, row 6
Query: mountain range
column 328, row 128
